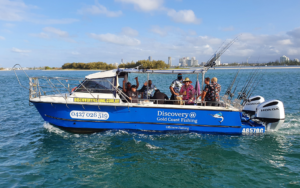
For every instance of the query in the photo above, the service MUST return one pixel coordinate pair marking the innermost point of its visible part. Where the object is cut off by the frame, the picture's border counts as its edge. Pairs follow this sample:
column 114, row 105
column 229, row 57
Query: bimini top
column 114, row 72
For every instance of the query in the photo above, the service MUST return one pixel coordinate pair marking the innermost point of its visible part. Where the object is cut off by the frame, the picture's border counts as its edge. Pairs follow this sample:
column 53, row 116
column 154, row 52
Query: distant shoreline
column 261, row 67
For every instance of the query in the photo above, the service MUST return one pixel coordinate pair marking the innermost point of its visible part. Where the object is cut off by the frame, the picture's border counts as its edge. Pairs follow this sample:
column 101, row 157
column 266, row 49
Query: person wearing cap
column 211, row 92
column 148, row 89
column 128, row 85
column 187, row 91
column 133, row 95
column 175, row 88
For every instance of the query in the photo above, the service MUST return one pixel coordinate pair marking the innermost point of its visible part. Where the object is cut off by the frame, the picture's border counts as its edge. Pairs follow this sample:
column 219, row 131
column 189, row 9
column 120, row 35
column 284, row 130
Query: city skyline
column 50, row 33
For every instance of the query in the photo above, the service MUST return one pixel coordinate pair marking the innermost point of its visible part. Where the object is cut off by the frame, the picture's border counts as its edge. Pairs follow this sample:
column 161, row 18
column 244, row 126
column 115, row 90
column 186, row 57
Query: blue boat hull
column 91, row 118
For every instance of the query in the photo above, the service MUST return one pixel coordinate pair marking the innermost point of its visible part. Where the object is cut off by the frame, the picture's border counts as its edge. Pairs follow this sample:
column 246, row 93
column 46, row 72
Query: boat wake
column 50, row 128
column 291, row 125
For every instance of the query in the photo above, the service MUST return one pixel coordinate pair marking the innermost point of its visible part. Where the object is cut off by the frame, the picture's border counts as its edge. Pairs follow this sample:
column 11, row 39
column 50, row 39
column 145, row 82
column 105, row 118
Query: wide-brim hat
column 187, row 80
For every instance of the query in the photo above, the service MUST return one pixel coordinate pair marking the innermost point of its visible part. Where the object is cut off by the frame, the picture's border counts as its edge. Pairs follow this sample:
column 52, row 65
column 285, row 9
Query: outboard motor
column 250, row 107
column 271, row 113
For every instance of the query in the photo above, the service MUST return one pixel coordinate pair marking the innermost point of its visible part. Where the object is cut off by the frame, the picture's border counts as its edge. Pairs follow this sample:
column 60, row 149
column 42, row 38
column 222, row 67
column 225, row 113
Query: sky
column 51, row 33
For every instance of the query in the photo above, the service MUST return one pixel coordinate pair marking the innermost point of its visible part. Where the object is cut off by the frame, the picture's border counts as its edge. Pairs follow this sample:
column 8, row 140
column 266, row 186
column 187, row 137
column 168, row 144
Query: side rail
column 54, row 86
column 180, row 102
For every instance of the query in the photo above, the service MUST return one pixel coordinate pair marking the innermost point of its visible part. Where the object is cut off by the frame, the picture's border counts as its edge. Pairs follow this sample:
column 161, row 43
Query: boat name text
column 176, row 117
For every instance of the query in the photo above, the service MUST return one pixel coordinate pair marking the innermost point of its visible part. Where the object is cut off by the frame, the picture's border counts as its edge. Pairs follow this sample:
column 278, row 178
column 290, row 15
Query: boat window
column 101, row 85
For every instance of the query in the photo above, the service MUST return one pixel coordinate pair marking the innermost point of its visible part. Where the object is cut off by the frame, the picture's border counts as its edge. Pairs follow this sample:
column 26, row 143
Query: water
column 36, row 154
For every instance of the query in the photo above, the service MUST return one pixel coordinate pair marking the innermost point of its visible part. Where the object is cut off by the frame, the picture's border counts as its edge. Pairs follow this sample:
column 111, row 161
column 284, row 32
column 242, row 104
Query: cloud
column 16, row 50
column 41, row 35
column 55, row 21
column 129, row 31
column 160, row 31
column 295, row 33
column 2, row 38
column 231, row 28
column 184, row 16
column 56, row 32
column 144, row 5
column 181, row 16
column 285, row 42
column 17, row 10
column 192, row 32
column 9, row 25
column 99, row 9
column 116, row 39
column 12, row 10
column 51, row 32
column 75, row 53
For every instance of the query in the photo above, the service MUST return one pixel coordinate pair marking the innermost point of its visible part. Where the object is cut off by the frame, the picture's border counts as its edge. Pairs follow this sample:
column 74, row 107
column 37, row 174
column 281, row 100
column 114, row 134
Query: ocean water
column 36, row 154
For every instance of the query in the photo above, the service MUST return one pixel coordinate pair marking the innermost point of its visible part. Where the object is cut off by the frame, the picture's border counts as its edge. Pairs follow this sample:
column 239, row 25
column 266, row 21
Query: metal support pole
column 203, row 74
column 147, row 85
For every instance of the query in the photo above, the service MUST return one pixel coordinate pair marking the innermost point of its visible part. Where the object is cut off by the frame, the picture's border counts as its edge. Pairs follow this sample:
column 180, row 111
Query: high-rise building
column 186, row 61
column 182, row 62
column 170, row 61
column 150, row 58
column 195, row 63
column 116, row 64
column 284, row 59
column 122, row 61
column 297, row 60
column 189, row 62
column 218, row 61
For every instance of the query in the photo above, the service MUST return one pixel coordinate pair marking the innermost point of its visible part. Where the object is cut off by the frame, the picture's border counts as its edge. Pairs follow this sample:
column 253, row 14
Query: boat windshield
column 100, row 85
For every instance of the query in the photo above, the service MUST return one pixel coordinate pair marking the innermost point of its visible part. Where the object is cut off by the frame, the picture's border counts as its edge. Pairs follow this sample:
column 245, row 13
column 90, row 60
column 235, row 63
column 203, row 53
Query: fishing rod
column 228, row 91
column 245, row 89
column 245, row 94
column 253, row 83
column 211, row 62
column 248, row 81
column 260, row 78
column 232, row 94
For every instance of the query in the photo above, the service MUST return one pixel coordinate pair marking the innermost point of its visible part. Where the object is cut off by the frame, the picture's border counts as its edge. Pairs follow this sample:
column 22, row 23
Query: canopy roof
column 104, row 74
column 114, row 72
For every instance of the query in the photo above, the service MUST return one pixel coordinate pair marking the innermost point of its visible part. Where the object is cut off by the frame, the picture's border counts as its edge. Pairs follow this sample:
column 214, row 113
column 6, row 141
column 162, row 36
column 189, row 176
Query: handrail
column 13, row 68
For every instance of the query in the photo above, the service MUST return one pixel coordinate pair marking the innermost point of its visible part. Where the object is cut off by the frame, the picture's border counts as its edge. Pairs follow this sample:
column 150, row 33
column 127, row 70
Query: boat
column 97, row 104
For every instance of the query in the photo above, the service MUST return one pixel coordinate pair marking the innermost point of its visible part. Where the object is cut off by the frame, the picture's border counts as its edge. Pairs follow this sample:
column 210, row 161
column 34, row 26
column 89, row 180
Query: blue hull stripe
column 220, row 126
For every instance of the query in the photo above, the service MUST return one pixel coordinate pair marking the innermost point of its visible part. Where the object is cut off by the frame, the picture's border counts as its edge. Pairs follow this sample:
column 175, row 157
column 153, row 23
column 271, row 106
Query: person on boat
column 175, row 88
column 133, row 95
column 148, row 90
column 187, row 91
column 211, row 92
column 162, row 97
column 128, row 85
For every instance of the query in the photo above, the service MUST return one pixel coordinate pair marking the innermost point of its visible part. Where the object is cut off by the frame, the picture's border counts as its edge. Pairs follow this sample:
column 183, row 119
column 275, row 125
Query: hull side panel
column 90, row 117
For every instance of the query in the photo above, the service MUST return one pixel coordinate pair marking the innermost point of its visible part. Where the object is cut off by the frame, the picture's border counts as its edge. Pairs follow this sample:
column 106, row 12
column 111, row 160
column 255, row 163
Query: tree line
column 91, row 65
column 159, row 64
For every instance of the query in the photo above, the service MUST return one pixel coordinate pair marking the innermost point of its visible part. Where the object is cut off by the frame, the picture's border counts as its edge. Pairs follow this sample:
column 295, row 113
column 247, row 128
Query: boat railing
column 54, row 86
